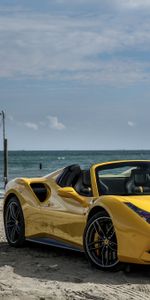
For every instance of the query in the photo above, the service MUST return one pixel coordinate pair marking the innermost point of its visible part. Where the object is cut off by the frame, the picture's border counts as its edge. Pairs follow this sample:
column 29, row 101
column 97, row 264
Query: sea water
column 39, row 163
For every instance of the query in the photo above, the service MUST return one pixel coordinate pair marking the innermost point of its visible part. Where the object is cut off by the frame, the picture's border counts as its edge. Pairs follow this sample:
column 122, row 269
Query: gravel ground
column 40, row 272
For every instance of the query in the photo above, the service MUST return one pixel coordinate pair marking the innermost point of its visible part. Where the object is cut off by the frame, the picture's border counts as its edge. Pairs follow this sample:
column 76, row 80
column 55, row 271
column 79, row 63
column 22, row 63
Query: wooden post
column 5, row 151
column 5, row 162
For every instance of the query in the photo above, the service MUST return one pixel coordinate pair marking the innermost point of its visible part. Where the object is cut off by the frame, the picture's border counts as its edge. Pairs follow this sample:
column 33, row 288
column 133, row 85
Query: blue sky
column 75, row 74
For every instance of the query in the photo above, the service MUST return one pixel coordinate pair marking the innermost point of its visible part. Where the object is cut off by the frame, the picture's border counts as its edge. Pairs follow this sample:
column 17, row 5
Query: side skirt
column 54, row 243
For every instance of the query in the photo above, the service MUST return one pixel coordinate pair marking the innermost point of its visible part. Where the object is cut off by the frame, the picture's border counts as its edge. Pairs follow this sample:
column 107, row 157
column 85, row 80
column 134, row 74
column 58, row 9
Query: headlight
column 142, row 213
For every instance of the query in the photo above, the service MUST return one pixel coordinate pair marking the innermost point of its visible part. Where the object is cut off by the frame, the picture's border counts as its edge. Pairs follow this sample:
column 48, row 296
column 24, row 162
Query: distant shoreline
column 105, row 150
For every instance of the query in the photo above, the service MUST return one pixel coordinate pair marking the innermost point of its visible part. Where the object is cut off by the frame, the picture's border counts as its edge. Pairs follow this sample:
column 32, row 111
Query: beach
column 75, row 149
column 42, row 272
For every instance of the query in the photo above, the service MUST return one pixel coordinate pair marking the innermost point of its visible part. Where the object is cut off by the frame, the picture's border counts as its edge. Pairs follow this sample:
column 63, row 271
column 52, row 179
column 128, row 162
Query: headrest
column 74, row 171
column 74, row 168
column 86, row 178
column 141, row 177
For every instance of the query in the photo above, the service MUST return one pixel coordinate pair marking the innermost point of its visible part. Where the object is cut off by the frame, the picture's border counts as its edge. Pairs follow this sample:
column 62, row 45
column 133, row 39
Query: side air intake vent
column 40, row 191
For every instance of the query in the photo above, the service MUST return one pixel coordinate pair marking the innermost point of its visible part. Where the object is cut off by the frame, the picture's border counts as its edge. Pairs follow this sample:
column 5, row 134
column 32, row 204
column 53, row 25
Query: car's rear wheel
column 100, row 242
column 14, row 223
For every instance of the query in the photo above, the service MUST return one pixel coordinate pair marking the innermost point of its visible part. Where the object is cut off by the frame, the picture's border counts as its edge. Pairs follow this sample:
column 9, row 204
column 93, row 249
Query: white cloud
column 31, row 125
column 107, row 3
column 55, row 124
column 89, row 48
column 131, row 124
column 53, row 121
column 134, row 3
column 42, row 123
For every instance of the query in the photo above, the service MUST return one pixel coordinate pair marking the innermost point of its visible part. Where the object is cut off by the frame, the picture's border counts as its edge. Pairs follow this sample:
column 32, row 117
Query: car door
column 63, row 218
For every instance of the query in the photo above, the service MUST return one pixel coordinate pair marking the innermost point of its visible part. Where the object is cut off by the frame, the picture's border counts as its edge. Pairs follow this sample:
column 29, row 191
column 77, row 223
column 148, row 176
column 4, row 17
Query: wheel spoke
column 113, row 246
column 12, row 234
column 10, row 226
column 9, row 219
column 17, row 213
column 12, row 212
column 106, row 256
column 96, row 248
column 95, row 242
column 98, row 228
column 18, row 229
column 10, row 222
column 109, row 229
column 113, row 243
column 110, row 237
column 102, row 255
column 113, row 249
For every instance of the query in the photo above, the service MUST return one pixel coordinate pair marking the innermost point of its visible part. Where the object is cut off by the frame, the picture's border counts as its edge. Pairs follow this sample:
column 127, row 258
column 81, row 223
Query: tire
column 14, row 223
column 100, row 243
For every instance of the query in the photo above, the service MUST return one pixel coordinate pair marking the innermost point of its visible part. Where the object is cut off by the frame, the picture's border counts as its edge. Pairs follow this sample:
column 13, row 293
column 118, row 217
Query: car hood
column 140, row 201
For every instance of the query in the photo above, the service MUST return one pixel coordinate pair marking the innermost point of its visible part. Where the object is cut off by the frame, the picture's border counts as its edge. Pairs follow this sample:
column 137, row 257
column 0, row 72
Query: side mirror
column 69, row 192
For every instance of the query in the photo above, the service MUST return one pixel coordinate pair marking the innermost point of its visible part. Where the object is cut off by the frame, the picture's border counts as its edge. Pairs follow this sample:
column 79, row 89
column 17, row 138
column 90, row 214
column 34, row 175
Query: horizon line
column 50, row 150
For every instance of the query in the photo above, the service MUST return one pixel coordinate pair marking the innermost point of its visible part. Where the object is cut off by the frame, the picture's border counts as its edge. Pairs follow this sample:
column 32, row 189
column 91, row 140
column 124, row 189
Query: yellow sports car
column 103, row 211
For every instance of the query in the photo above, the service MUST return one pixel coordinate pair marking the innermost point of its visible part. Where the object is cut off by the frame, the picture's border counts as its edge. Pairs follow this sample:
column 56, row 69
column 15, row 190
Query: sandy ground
column 41, row 272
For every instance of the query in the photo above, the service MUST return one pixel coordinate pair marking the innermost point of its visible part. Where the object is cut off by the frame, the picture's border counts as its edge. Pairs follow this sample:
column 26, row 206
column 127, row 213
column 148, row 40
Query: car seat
column 139, row 182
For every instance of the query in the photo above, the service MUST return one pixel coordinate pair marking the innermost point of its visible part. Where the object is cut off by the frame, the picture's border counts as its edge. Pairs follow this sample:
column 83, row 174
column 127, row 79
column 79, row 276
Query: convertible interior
column 79, row 179
column 137, row 183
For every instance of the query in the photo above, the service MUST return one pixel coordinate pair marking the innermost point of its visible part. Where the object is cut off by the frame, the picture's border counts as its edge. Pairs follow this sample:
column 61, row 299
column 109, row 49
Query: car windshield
column 125, row 178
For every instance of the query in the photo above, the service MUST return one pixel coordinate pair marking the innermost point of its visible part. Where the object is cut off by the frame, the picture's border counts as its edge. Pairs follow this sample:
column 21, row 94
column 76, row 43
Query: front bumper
column 134, row 244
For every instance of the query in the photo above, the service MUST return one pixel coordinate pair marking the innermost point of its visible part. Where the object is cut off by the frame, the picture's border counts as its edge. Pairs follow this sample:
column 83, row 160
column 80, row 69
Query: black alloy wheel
column 14, row 223
column 100, row 242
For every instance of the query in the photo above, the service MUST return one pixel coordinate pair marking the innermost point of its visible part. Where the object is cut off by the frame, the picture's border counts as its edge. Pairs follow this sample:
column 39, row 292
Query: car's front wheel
column 100, row 242
column 14, row 223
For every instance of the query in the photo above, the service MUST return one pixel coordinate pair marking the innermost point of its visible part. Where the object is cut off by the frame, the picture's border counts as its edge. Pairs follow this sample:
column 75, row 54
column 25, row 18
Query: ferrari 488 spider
column 103, row 211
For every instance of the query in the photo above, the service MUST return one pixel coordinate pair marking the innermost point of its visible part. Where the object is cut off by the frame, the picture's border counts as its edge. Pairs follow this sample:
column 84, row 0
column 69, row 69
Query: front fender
column 131, row 230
